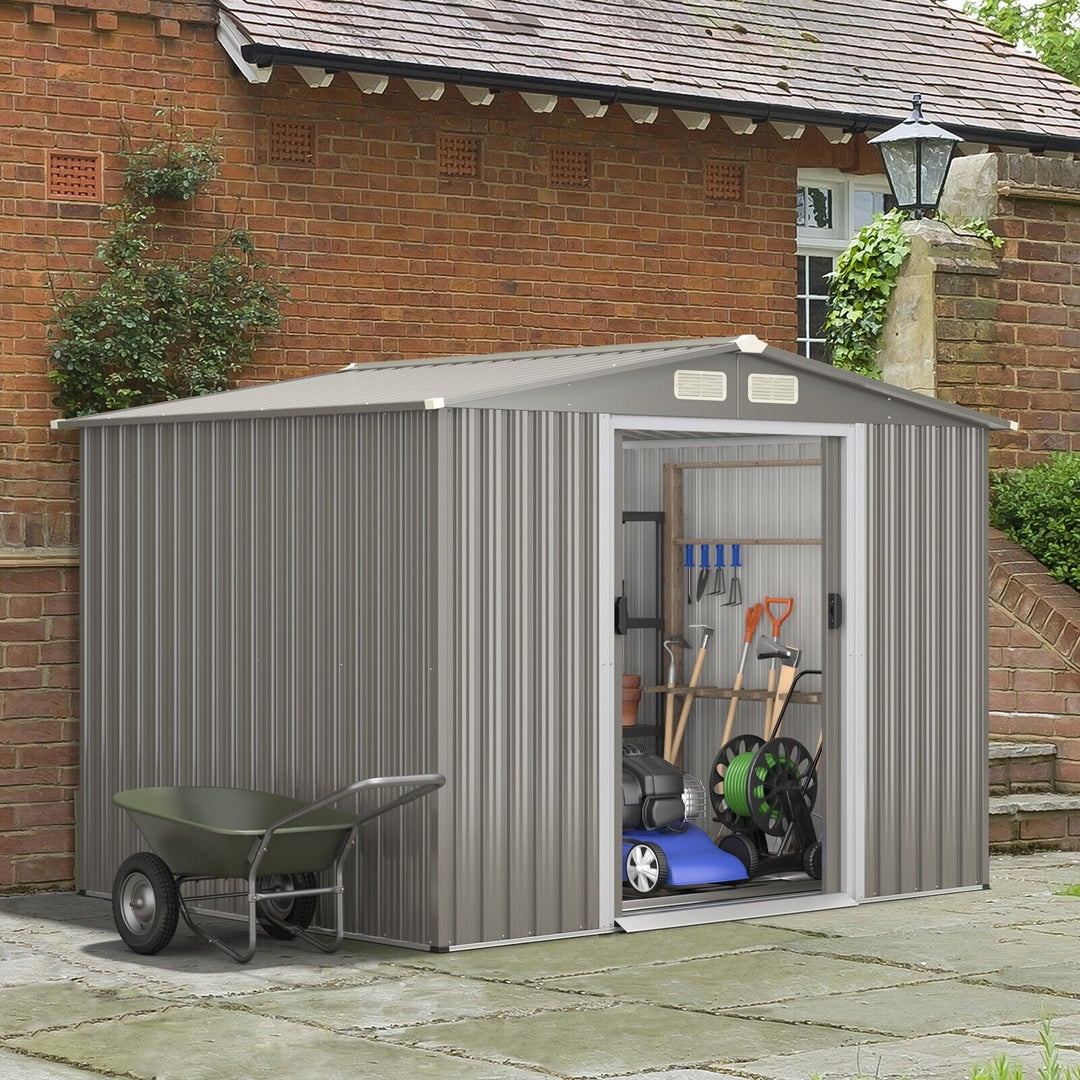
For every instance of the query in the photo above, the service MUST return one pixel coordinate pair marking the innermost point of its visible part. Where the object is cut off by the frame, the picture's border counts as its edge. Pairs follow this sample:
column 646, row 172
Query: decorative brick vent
column 459, row 155
column 569, row 168
column 292, row 142
column 74, row 177
column 723, row 180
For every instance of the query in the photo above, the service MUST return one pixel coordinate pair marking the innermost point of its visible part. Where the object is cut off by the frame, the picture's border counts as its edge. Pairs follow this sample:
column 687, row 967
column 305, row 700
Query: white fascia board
column 232, row 39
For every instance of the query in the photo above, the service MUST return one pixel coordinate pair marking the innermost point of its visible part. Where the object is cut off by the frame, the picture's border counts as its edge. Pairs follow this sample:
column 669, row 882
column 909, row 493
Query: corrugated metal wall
column 927, row 660
column 256, row 602
column 520, row 732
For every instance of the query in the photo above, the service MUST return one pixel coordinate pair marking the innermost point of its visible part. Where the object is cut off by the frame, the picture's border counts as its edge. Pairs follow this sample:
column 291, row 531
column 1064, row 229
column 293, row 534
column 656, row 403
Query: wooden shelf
column 798, row 698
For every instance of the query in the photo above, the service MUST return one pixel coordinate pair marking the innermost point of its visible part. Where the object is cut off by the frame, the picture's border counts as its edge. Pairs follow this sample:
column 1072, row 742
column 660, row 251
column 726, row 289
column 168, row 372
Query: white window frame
column 830, row 243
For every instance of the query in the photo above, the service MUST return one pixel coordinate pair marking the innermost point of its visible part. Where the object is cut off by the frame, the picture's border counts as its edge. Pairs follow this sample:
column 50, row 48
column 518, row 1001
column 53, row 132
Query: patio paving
column 921, row 988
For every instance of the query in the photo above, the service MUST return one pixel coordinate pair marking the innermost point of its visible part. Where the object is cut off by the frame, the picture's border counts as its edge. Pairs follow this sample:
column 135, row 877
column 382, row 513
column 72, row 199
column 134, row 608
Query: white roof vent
column 701, row 385
column 773, row 389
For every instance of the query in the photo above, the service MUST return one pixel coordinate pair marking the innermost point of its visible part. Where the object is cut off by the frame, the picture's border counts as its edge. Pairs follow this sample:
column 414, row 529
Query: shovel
column 777, row 621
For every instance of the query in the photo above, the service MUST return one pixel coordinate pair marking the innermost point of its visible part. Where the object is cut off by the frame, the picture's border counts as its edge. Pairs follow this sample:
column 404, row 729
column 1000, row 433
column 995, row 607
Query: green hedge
column 1039, row 508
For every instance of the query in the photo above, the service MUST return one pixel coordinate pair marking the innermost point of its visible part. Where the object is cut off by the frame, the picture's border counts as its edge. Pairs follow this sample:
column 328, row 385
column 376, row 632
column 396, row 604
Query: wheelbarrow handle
column 420, row 784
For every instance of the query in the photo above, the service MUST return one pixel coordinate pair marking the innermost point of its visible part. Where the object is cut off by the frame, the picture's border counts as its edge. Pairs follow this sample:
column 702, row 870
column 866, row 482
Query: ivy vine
column 859, row 291
column 862, row 283
column 158, row 320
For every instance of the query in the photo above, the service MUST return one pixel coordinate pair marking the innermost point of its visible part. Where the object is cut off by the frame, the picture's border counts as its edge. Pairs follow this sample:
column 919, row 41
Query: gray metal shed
column 412, row 567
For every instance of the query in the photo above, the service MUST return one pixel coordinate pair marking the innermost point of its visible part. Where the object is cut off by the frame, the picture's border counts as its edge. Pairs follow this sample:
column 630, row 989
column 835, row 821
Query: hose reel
column 754, row 783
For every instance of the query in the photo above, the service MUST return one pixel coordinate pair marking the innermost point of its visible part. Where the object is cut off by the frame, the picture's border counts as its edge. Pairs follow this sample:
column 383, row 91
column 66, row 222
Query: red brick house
column 437, row 178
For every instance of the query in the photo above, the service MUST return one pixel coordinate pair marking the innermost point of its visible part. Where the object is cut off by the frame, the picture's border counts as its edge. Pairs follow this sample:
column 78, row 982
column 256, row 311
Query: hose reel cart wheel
column 741, row 746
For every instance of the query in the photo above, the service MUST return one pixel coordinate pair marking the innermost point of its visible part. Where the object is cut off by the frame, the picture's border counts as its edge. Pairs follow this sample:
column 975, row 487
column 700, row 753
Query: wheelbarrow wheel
column 295, row 912
column 146, row 903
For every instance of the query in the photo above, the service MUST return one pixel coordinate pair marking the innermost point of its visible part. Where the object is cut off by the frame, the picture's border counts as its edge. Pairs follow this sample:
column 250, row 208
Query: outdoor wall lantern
column 917, row 155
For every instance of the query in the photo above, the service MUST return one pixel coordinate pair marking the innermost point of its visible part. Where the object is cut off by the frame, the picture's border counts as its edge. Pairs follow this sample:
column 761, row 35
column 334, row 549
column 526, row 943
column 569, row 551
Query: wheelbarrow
column 276, row 843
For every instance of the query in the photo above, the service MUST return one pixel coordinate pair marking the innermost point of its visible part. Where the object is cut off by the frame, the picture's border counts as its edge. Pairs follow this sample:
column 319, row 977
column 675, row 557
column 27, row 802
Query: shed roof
column 524, row 380
column 841, row 62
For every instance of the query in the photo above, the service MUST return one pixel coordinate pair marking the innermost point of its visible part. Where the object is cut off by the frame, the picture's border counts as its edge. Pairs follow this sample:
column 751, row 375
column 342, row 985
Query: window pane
column 867, row 204
column 818, row 351
column 818, row 311
column 814, row 207
column 800, row 276
column 819, row 267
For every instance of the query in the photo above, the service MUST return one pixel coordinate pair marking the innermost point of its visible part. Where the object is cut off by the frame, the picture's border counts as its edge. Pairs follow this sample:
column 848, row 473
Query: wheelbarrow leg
column 202, row 932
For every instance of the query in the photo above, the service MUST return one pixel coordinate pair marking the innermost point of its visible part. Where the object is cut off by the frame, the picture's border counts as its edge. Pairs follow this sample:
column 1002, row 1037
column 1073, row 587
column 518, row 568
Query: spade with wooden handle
column 777, row 621
column 753, row 617
column 676, row 743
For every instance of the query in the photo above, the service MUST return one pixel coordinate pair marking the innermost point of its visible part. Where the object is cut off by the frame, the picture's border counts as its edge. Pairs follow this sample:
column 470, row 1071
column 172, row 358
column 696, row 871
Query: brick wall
column 38, row 735
column 1034, row 656
column 1010, row 344
column 384, row 253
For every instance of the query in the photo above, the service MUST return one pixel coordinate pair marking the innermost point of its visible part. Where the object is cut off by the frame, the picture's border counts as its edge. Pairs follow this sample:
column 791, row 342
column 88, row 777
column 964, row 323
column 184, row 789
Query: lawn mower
column 662, row 848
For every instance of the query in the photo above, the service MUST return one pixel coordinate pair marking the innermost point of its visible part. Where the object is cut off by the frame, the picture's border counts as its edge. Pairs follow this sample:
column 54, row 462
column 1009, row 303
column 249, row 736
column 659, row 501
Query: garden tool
column 703, row 573
column 735, row 588
column 676, row 744
column 753, row 617
column 788, row 655
column 672, row 643
column 719, row 587
column 688, row 562
column 777, row 621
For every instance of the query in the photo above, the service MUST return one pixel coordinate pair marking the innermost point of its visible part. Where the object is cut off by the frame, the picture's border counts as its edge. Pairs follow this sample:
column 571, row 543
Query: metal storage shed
column 413, row 566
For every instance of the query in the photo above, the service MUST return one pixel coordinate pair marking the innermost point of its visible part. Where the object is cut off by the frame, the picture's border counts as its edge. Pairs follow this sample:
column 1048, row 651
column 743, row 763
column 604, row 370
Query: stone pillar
column 998, row 331
column 938, row 301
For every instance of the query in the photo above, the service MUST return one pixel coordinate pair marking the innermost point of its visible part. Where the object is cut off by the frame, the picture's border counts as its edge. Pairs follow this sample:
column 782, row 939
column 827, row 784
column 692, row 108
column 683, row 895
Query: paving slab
column 409, row 1000
column 577, row 956
column 742, row 979
column 622, row 1039
column 206, row 1043
column 24, row 1009
column 928, row 1008
column 939, row 1057
column 975, row 949
column 14, row 1066
column 1064, row 1029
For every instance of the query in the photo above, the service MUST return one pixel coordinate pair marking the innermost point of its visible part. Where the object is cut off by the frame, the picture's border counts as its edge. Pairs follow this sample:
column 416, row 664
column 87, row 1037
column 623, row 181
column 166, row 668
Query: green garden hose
column 736, row 788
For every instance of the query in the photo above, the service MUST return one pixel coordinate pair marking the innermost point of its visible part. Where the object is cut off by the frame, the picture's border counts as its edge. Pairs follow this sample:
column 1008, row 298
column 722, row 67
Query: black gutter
column 265, row 55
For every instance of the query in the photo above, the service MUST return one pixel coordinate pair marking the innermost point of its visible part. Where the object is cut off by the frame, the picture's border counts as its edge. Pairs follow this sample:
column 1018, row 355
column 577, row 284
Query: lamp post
column 917, row 155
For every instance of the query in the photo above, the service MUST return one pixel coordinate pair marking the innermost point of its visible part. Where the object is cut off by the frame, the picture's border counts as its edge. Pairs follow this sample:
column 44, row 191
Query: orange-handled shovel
column 753, row 617
column 777, row 621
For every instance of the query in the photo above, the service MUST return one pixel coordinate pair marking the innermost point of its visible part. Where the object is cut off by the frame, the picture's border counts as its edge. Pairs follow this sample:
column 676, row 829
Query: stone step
column 1021, row 767
column 1037, row 822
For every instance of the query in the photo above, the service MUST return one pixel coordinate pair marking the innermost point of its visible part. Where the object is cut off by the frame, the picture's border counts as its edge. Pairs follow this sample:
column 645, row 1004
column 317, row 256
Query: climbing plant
column 156, row 319
column 862, row 283
column 859, row 291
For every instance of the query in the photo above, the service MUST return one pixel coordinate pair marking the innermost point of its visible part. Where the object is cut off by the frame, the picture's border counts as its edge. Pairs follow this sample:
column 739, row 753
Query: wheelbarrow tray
column 209, row 831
